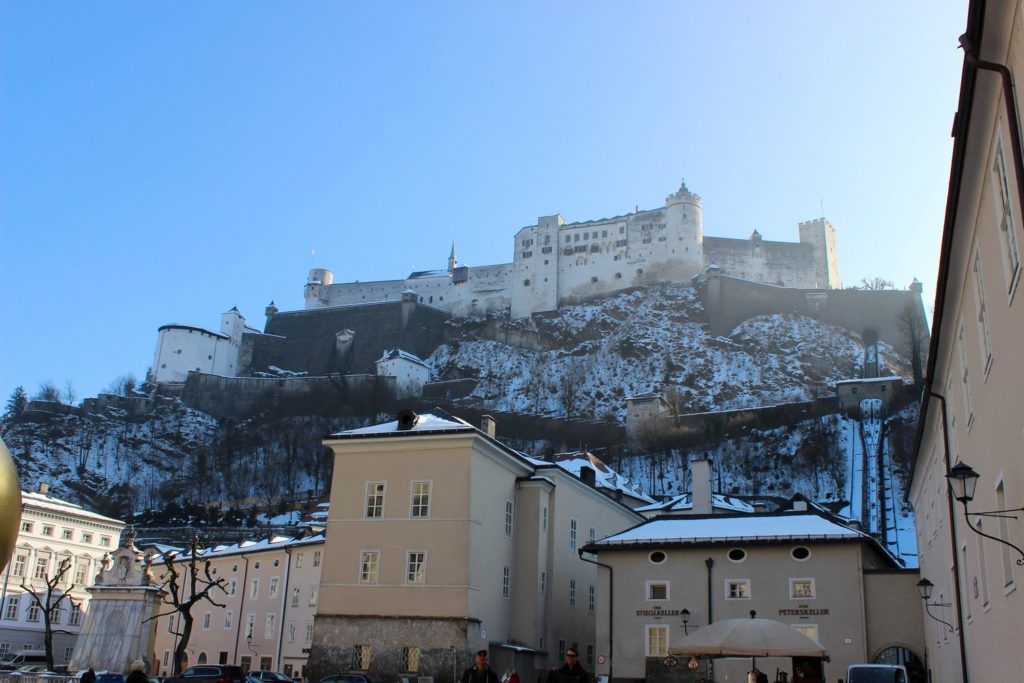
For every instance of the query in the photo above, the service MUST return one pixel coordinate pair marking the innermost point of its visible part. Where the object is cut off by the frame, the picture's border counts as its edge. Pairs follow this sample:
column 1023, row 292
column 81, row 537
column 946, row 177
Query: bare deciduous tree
column 875, row 283
column 199, row 582
column 910, row 321
column 69, row 395
column 48, row 391
column 49, row 602
column 570, row 386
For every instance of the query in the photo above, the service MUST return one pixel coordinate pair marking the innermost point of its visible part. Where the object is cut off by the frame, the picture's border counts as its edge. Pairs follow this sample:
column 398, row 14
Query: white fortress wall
column 181, row 349
column 786, row 264
column 820, row 234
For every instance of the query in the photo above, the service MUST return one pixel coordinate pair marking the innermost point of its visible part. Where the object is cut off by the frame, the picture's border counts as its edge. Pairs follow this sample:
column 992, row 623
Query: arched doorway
column 201, row 659
column 897, row 654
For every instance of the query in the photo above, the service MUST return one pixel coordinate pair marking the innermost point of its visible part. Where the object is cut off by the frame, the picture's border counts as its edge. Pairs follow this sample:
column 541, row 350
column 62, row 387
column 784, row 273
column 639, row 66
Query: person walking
column 89, row 676
column 480, row 672
column 138, row 673
column 571, row 671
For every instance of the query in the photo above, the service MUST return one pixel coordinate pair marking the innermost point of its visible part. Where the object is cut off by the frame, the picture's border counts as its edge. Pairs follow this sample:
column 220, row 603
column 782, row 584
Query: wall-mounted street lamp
column 963, row 481
column 924, row 588
column 685, row 616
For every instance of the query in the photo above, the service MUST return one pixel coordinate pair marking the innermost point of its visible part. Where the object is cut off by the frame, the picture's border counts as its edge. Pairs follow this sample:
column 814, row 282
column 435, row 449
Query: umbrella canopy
column 748, row 638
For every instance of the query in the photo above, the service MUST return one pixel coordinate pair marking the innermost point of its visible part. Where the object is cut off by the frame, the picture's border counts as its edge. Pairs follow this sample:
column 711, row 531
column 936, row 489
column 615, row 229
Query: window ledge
column 1009, row 588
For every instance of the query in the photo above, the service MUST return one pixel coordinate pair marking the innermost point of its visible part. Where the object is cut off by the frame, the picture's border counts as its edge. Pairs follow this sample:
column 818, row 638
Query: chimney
column 489, row 426
column 44, row 488
column 799, row 505
column 760, row 506
column 588, row 476
column 407, row 419
column 700, row 477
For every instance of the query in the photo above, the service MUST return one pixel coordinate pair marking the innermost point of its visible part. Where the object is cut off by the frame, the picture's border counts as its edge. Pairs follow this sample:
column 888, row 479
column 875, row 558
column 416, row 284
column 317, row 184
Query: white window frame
column 254, row 589
column 229, row 618
column 506, row 582
column 544, row 519
column 421, row 506
column 363, row 556
column 409, row 556
column 543, row 582
column 317, row 557
column 817, row 631
column 510, row 518
column 591, row 599
column 296, row 595
column 572, row 595
column 745, row 582
column 314, row 595
column 648, row 628
column 270, row 626
column 657, row 582
column 275, row 582
column 792, row 592
column 573, row 535
column 207, row 619
column 965, row 375
column 12, row 609
column 981, row 313
column 367, row 507
column 1006, row 224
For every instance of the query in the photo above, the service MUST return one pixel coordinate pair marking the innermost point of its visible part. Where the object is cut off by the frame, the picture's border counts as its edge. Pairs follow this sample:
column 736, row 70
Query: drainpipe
column 611, row 613
column 971, row 57
column 709, row 563
column 952, row 538
column 284, row 607
column 241, row 607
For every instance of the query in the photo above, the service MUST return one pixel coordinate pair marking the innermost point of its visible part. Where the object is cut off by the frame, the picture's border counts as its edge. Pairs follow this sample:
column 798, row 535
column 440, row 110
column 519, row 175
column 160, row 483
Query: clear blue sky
column 162, row 162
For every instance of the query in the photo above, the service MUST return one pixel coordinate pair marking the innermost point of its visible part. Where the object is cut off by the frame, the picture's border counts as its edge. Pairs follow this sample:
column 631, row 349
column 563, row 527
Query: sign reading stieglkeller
column 658, row 612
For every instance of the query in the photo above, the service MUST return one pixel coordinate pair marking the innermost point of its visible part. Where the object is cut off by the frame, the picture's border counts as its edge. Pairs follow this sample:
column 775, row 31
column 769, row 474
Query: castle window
column 593, row 278
column 526, row 282
column 568, row 239
column 576, row 237
column 618, row 276
column 662, row 238
column 622, row 229
column 639, row 271
column 620, row 243
column 527, row 254
column 547, row 239
column 545, row 262
column 594, row 248
column 586, row 235
column 647, row 239
column 604, row 233
column 545, row 250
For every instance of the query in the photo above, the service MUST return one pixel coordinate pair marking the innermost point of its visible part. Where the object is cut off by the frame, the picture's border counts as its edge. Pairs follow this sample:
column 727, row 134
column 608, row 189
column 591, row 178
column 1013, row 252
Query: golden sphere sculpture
column 10, row 504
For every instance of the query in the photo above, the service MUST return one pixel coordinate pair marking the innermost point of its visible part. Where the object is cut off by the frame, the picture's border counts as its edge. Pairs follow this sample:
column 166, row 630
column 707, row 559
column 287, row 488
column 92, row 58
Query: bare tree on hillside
column 69, row 394
column 876, row 283
column 48, row 391
column 570, row 386
column 48, row 602
column 914, row 332
column 122, row 385
column 536, row 384
column 180, row 598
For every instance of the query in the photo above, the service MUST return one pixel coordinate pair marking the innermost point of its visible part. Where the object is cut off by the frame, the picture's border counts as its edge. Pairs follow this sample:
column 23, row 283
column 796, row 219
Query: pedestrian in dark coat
column 571, row 671
column 480, row 672
column 89, row 676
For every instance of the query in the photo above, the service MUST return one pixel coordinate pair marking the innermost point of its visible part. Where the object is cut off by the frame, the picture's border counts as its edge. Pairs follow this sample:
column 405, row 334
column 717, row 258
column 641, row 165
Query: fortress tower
column 820, row 234
column 684, row 223
column 535, row 267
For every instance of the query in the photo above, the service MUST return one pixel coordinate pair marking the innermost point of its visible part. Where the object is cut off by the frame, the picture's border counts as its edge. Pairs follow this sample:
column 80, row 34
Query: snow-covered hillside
column 629, row 343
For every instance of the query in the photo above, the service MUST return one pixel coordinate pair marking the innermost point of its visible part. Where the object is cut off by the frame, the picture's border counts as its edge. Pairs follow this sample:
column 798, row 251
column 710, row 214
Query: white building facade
column 409, row 371
column 52, row 531
column 181, row 349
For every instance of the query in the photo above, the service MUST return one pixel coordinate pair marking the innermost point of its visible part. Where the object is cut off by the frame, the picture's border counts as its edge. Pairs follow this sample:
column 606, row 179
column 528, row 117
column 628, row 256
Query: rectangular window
column 737, row 589
column 419, row 506
column 410, row 659
column 167, row 657
column 965, row 376
column 657, row 640
column 1004, row 535
column 19, row 565
column 13, row 604
column 57, row 615
column 296, row 592
column 222, row 657
column 76, row 616
column 543, row 583
column 228, row 618
column 809, row 630
column 572, row 535
column 41, row 564
column 32, row 613
column 506, row 582
column 509, row 518
column 591, row 599
column 250, row 625
column 254, row 589
column 561, row 650
column 67, row 653
column 316, row 558
column 274, row 583
column 361, row 657
column 232, row 586
column 982, row 311
column 47, row 530
column 170, row 624
column 1004, row 216
column 291, row 631
column 5, row 648
column 105, row 541
column 544, row 519
column 207, row 618
column 657, row 590
column 375, row 498
column 801, row 589
column 81, row 570
column 591, row 535
column 314, row 595
column 298, row 560
column 590, row 656
column 309, row 631
column 65, row 534
column 572, row 593
column 268, row 627
column 369, row 563
column 86, row 537
column 416, row 566
column 26, row 527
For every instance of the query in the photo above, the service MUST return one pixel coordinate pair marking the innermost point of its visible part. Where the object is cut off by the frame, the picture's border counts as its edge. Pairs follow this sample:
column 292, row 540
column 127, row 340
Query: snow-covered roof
column 645, row 396
column 428, row 422
column 392, row 354
column 40, row 501
column 702, row 529
column 275, row 543
column 192, row 328
column 427, row 273
column 890, row 378
column 683, row 502
column 604, row 476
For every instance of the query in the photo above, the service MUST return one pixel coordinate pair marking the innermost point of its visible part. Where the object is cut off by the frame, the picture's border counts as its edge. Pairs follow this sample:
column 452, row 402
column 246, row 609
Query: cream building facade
column 974, row 409
column 52, row 530
column 801, row 567
column 442, row 541
column 271, row 594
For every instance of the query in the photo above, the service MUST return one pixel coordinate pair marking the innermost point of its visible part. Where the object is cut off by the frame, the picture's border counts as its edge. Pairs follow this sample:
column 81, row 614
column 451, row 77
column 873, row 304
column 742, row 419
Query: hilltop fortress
column 555, row 263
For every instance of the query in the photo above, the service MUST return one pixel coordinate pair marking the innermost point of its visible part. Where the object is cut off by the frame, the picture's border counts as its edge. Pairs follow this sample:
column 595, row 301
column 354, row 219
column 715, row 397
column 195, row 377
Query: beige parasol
column 748, row 638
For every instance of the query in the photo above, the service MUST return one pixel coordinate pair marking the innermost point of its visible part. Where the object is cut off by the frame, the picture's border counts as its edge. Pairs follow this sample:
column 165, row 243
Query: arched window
column 202, row 658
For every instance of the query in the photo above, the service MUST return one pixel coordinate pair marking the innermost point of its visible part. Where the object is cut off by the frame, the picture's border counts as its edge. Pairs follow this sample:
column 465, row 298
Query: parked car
column 15, row 660
column 208, row 673
column 109, row 677
column 267, row 677
column 876, row 673
column 347, row 678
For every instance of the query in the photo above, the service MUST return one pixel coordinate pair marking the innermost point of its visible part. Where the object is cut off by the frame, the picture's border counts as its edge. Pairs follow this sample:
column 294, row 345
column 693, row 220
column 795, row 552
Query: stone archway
column 901, row 654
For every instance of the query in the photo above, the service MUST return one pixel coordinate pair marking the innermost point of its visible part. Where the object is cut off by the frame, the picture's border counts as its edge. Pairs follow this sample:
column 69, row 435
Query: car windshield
column 872, row 675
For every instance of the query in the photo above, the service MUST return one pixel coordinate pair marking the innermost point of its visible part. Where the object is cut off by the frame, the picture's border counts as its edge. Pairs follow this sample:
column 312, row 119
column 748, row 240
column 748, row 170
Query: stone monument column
column 119, row 628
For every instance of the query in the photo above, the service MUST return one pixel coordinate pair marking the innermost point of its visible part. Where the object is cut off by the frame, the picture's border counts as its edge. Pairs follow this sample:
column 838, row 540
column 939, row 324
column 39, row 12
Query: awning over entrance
column 748, row 638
